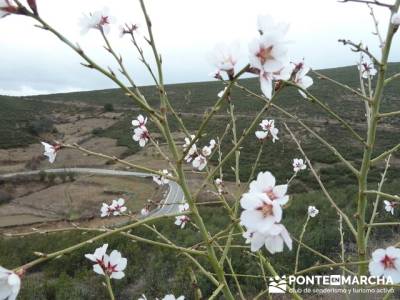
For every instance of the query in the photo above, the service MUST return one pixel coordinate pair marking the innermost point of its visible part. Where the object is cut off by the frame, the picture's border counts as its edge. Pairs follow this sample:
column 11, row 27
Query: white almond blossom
column 10, row 284
column 298, row 165
column 268, row 53
column 50, row 151
column 172, row 297
column 182, row 220
column 301, row 78
column 273, row 240
column 266, row 184
column 141, row 135
column 260, row 212
column 106, row 210
column 6, row 8
column 139, row 121
column 389, row 206
column 312, row 211
column 269, row 129
column 193, row 149
column 116, row 208
column 200, row 162
column 395, row 19
column 386, row 263
column 98, row 257
column 111, row 265
column 162, row 179
column 220, row 185
column 366, row 68
column 100, row 20
column 224, row 57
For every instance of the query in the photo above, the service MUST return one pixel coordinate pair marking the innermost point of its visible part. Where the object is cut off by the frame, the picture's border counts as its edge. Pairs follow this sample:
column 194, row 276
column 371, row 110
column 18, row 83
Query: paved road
column 170, row 204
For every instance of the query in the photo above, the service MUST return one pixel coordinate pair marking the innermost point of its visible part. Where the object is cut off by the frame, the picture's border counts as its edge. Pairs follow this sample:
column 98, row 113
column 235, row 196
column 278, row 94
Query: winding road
column 169, row 205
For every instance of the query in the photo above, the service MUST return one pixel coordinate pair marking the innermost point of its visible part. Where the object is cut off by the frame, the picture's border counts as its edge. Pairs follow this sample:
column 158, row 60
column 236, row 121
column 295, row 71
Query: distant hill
column 19, row 114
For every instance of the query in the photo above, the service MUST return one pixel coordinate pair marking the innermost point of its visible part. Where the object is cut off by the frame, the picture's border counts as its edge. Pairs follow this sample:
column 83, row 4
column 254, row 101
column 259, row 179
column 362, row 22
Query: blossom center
column 265, row 54
column 266, row 209
column 388, row 262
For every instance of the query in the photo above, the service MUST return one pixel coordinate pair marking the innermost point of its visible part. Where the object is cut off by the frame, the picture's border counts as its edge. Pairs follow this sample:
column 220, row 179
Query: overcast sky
column 33, row 61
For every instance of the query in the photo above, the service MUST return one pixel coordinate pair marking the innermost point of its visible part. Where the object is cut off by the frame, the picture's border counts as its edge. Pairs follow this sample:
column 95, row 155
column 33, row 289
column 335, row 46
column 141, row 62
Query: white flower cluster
column 111, row 265
column 183, row 219
column 268, row 57
column 197, row 157
column 140, row 133
column 162, row 179
column 262, row 214
column 268, row 131
column 116, row 208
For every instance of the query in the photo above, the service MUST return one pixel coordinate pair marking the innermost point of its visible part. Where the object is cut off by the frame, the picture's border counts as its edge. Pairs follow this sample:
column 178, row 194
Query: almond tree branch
column 374, row 2
column 316, row 135
column 324, row 190
column 377, row 199
column 385, row 154
column 344, row 86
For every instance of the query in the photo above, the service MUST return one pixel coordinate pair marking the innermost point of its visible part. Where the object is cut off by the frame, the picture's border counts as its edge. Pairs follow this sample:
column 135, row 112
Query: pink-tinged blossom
column 273, row 240
column 263, row 203
column 389, row 206
column 162, row 179
column 172, row 297
column 386, row 263
column 312, row 211
column 224, row 57
column 366, row 68
column 260, row 212
column 395, row 19
column 301, row 78
column 50, row 151
column 111, row 265
column 182, row 220
column 139, row 121
column 10, row 284
column 7, row 7
column 268, row 53
column 100, row 20
column 141, row 135
column 116, row 208
column 268, row 130
column 298, row 165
